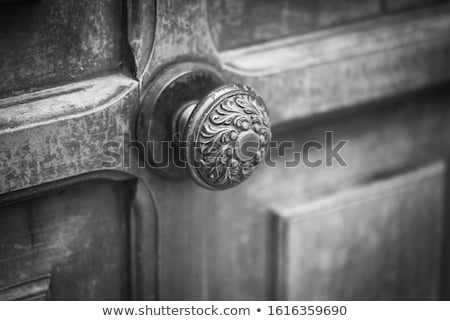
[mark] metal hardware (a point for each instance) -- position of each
(218, 133)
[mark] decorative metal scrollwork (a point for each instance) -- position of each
(227, 134)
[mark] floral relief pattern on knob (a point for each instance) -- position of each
(231, 137)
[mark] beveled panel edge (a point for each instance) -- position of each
(291, 210)
(62, 102)
(60, 133)
(31, 290)
(144, 251)
(346, 42)
(346, 66)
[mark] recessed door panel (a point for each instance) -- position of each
(381, 241)
(78, 237)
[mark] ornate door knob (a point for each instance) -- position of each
(225, 135)
(221, 132)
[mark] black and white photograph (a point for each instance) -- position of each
(219, 151)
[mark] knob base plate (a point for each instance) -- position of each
(175, 87)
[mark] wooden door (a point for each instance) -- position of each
(371, 73)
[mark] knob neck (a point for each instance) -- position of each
(181, 118)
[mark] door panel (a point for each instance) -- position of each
(380, 241)
(79, 237)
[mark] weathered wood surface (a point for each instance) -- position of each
(181, 35)
(380, 241)
(396, 5)
(238, 23)
(141, 18)
(445, 267)
(391, 58)
(64, 139)
(348, 66)
(36, 289)
(48, 43)
(79, 236)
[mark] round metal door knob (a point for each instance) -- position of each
(217, 133)
(225, 135)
